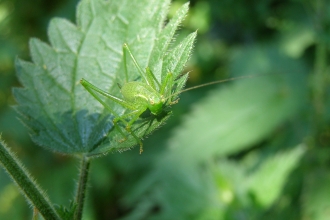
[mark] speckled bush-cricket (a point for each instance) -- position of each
(141, 96)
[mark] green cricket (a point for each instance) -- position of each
(141, 96)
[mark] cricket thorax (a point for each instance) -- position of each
(143, 94)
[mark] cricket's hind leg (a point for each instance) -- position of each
(128, 125)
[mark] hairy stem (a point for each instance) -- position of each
(25, 182)
(81, 189)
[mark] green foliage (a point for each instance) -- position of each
(268, 179)
(66, 213)
(249, 149)
(315, 202)
(63, 117)
(241, 115)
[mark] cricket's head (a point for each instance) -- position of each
(155, 105)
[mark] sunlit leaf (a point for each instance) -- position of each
(61, 115)
(243, 113)
(268, 179)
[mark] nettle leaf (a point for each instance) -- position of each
(315, 194)
(243, 113)
(233, 118)
(267, 181)
(60, 113)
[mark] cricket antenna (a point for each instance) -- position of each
(216, 82)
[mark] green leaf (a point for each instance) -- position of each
(243, 113)
(164, 39)
(267, 181)
(183, 50)
(61, 115)
(67, 213)
(315, 196)
(234, 118)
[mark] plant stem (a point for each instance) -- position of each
(25, 182)
(81, 190)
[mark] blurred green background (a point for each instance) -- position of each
(264, 155)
